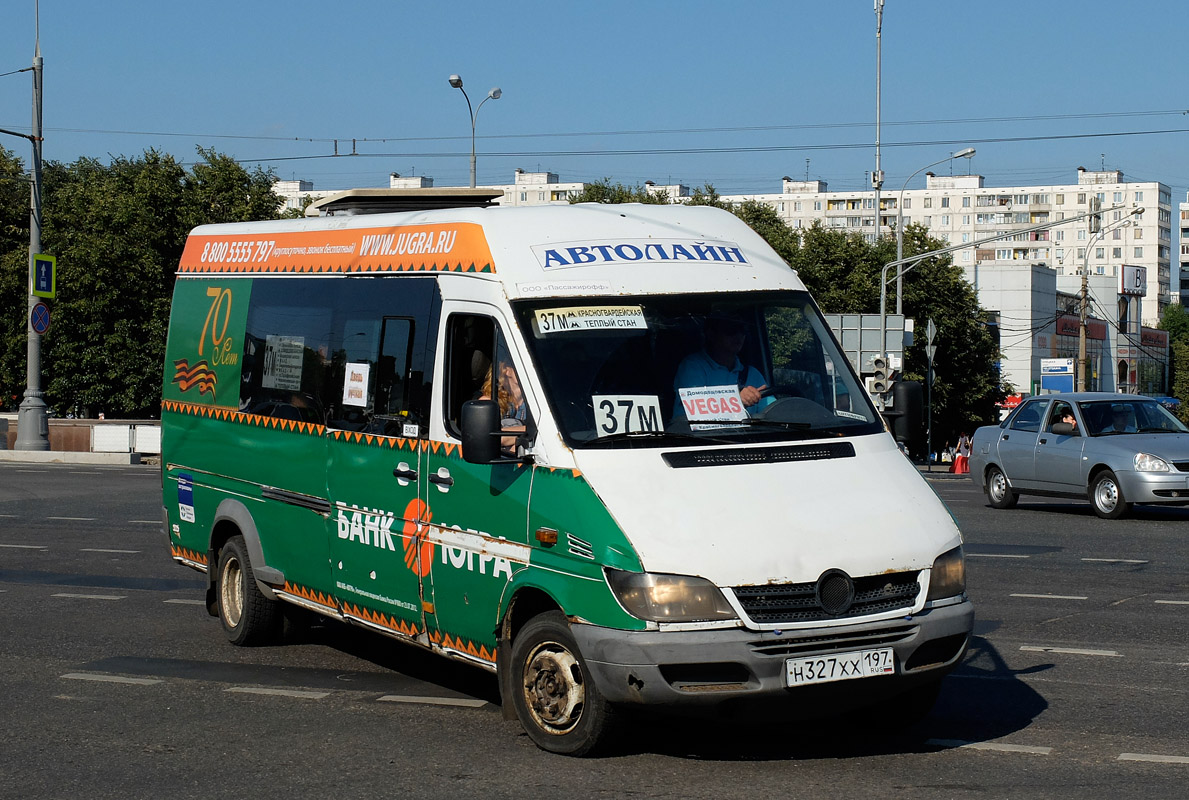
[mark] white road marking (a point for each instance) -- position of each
(144, 521)
(278, 692)
(180, 601)
(31, 470)
(1117, 560)
(73, 519)
(91, 596)
(9, 516)
(104, 550)
(35, 547)
(1051, 596)
(434, 701)
(995, 746)
(1154, 758)
(1167, 602)
(996, 555)
(1071, 651)
(84, 676)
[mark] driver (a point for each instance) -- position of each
(718, 364)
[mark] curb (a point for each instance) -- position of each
(67, 457)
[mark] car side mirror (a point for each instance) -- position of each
(480, 431)
(1064, 429)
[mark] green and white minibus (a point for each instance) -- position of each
(514, 436)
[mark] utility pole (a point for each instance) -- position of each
(32, 419)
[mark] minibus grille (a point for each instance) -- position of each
(774, 604)
(759, 455)
(836, 642)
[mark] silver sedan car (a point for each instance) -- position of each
(1113, 449)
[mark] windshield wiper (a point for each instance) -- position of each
(776, 423)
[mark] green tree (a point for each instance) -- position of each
(118, 230)
(843, 271)
(1179, 351)
(14, 278)
(1175, 320)
(606, 192)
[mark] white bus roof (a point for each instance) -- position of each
(540, 251)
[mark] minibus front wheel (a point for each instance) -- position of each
(248, 616)
(555, 697)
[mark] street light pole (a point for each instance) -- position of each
(494, 94)
(967, 153)
(1084, 300)
(32, 418)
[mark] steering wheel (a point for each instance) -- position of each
(787, 389)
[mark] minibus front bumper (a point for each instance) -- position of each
(708, 667)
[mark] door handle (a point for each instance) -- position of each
(1044, 441)
(441, 480)
(404, 473)
(1004, 437)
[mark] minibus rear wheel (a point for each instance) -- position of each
(556, 699)
(248, 617)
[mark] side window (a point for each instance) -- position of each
(345, 352)
(479, 365)
(1028, 417)
(1060, 410)
(286, 352)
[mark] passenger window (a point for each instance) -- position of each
(1060, 411)
(333, 352)
(1028, 418)
(479, 365)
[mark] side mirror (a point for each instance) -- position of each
(1064, 429)
(480, 431)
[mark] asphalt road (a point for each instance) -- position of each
(114, 682)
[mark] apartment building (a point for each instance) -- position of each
(1184, 241)
(961, 209)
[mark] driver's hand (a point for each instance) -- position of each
(751, 395)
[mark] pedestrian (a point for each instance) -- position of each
(962, 455)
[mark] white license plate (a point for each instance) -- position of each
(839, 667)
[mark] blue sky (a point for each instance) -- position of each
(753, 88)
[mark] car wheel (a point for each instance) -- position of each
(1106, 496)
(999, 491)
(555, 698)
(248, 617)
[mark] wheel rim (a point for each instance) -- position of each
(997, 486)
(1106, 495)
(553, 689)
(231, 592)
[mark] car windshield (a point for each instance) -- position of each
(1114, 417)
(668, 370)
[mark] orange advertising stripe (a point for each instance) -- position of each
(450, 247)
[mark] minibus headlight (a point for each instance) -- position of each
(668, 598)
(948, 577)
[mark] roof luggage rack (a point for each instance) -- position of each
(382, 201)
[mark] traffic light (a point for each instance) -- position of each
(881, 380)
(1095, 215)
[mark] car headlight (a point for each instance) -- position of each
(668, 598)
(948, 577)
(1150, 463)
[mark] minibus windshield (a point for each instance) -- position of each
(667, 370)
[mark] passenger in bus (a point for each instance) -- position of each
(510, 398)
(718, 364)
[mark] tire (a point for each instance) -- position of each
(1106, 496)
(553, 693)
(248, 617)
(999, 491)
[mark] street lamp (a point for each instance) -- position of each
(494, 94)
(967, 153)
(1084, 305)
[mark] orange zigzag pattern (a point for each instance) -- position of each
(462, 645)
(383, 620)
(311, 595)
(349, 269)
(230, 415)
(189, 555)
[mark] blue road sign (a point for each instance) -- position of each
(39, 318)
(45, 278)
